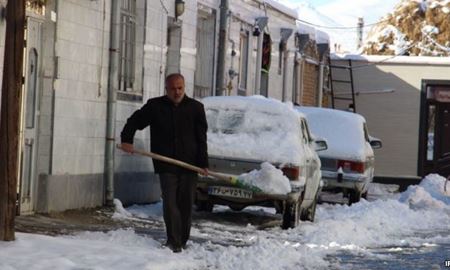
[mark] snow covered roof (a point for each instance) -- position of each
(420, 60)
(342, 130)
(281, 7)
(322, 37)
(246, 127)
(315, 34)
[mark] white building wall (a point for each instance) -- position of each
(80, 87)
(46, 100)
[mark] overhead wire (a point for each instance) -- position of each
(340, 27)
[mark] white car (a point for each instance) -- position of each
(244, 132)
(349, 162)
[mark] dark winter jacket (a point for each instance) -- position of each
(176, 131)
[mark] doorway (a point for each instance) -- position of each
(434, 140)
(30, 113)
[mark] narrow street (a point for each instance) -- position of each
(390, 231)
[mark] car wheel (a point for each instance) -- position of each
(353, 197)
(204, 206)
(291, 215)
(310, 213)
(364, 195)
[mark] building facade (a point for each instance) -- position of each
(89, 64)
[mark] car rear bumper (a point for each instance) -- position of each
(203, 186)
(344, 180)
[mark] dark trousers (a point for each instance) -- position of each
(178, 196)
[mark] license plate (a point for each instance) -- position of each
(230, 192)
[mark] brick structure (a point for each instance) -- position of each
(309, 72)
(310, 77)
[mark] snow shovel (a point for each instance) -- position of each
(232, 179)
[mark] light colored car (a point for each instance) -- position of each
(349, 162)
(244, 132)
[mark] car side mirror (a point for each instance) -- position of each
(375, 143)
(320, 145)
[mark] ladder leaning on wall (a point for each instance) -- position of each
(342, 85)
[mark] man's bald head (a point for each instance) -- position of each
(175, 87)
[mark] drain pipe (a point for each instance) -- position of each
(260, 24)
(113, 86)
(285, 33)
(285, 73)
(220, 74)
(320, 86)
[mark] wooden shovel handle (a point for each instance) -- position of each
(180, 163)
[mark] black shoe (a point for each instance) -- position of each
(175, 249)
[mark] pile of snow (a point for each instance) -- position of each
(429, 194)
(414, 219)
(153, 211)
(255, 128)
(343, 131)
(269, 179)
(120, 212)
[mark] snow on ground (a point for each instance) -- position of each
(419, 217)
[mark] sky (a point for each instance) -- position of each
(346, 12)
(342, 13)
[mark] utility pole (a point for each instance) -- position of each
(359, 33)
(9, 115)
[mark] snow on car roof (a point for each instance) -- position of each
(253, 127)
(342, 130)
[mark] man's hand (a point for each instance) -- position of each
(127, 147)
(204, 172)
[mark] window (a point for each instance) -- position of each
(206, 49)
(131, 48)
(35, 6)
(127, 45)
(243, 65)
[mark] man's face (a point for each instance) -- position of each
(175, 89)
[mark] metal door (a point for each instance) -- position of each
(442, 138)
(30, 117)
(436, 125)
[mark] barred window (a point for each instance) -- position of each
(127, 45)
(243, 63)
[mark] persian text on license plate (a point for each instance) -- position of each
(230, 192)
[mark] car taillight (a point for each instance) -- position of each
(291, 172)
(352, 166)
